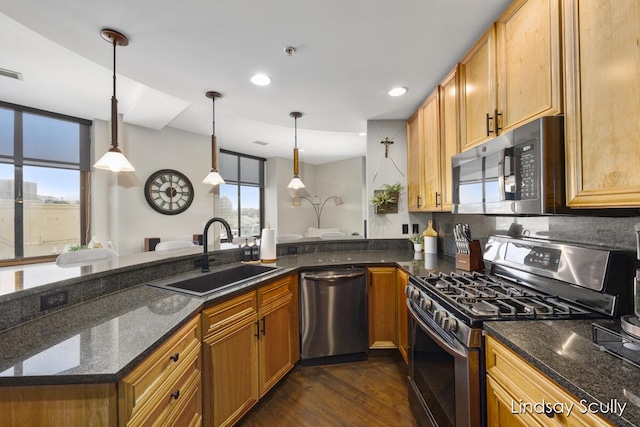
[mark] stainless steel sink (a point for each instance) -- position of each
(201, 284)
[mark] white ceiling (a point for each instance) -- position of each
(349, 53)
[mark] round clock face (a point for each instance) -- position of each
(168, 191)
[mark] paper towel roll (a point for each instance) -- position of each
(268, 245)
(430, 245)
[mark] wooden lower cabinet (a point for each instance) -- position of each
(59, 405)
(167, 383)
(512, 382)
(251, 342)
(403, 315)
(382, 307)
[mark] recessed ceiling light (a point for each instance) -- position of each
(362, 134)
(398, 91)
(261, 80)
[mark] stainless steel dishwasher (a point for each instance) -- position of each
(333, 316)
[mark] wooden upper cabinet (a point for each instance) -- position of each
(449, 134)
(512, 75)
(602, 89)
(529, 62)
(478, 90)
(415, 160)
(431, 131)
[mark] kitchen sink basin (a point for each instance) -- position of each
(201, 284)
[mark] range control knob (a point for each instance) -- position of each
(438, 315)
(449, 324)
(426, 303)
(412, 292)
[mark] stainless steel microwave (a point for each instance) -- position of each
(518, 173)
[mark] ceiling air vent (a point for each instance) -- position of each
(260, 142)
(11, 74)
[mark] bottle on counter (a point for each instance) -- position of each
(246, 251)
(255, 251)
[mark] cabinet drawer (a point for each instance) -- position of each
(141, 384)
(523, 382)
(170, 399)
(221, 316)
(272, 293)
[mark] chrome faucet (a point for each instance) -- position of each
(205, 240)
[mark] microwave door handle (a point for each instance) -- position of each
(501, 174)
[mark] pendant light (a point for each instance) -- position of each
(114, 160)
(214, 178)
(296, 183)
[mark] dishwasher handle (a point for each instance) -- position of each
(333, 277)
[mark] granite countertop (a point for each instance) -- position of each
(102, 339)
(564, 351)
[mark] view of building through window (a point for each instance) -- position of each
(241, 197)
(40, 175)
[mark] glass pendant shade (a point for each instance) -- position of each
(213, 178)
(114, 160)
(296, 183)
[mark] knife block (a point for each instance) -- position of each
(472, 261)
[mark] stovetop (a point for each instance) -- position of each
(483, 297)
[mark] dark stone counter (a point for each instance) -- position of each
(102, 339)
(563, 350)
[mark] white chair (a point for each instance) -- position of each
(174, 244)
(85, 257)
(289, 237)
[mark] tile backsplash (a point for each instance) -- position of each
(610, 232)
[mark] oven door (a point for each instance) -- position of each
(445, 377)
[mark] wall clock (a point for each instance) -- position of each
(168, 191)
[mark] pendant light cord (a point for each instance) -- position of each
(114, 103)
(295, 125)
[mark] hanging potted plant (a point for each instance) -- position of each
(385, 200)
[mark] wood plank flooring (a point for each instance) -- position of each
(367, 393)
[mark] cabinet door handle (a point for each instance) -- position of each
(175, 395)
(496, 124)
(437, 195)
(264, 325)
(175, 357)
(258, 329)
(489, 118)
(418, 197)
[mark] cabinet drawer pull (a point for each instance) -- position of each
(175, 395)
(264, 325)
(175, 357)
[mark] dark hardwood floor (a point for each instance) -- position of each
(367, 393)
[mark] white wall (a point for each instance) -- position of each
(343, 178)
(120, 213)
(388, 225)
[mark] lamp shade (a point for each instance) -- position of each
(114, 161)
(296, 183)
(213, 178)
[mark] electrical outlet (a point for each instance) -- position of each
(405, 228)
(415, 228)
(53, 299)
(292, 250)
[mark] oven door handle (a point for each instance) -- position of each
(459, 352)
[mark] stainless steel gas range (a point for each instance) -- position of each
(528, 279)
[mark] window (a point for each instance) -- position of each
(241, 198)
(44, 161)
